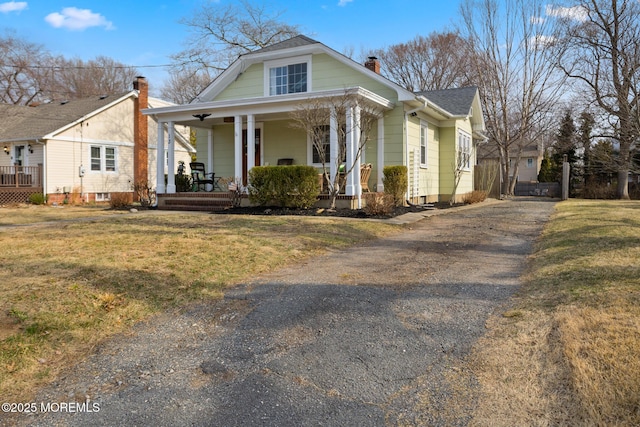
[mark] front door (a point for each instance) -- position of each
(244, 152)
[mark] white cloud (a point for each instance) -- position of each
(76, 19)
(577, 13)
(343, 3)
(13, 6)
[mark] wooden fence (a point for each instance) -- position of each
(18, 183)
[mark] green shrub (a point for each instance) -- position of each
(37, 199)
(395, 182)
(285, 186)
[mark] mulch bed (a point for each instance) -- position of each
(320, 212)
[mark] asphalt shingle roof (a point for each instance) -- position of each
(21, 122)
(456, 101)
(296, 41)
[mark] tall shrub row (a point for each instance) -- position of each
(284, 186)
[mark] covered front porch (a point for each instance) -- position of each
(18, 183)
(234, 136)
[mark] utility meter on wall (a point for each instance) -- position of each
(81, 171)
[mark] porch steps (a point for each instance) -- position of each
(206, 202)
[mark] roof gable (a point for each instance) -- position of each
(458, 102)
(296, 46)
(34, 122)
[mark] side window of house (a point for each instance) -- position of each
(464, 149)
(529, 163)
(423, 144)
(96, 159)
(103, 159)
(110, 159)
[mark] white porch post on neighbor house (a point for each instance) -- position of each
(350, 189)
(160, 189)
(210, 150)
(171, 177)
(333, 144)
(357, 153)
(380, 151)
(251, 142)
(237, 123)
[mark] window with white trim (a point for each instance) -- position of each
(287, 76)
(423, 143)
(529, 162)
(464, 149)
(103, 197)
(103, 159)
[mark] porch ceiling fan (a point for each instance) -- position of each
(201, 116)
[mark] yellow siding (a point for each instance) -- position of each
(249, 85)
(329, 73)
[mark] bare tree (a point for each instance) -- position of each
(602, 53)
(218, 35)
(438, 61)
(75, 78)
(314, 117)
(185, 83)
(22, 69)
(513, 67)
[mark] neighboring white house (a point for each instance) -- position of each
(93, 147)
(250, 103)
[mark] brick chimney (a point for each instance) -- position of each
(140, 132)
(373, 64)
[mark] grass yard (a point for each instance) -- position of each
(66, 287)
(568, 351)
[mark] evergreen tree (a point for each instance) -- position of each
(547, 169)
(584, 141)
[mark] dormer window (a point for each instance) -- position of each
(290, 76)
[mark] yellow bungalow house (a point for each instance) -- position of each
(250, 105)
(86, 148)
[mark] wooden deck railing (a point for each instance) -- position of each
(20, 176)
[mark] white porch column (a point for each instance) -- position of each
(251, 143)
(210, 150)
(160, 187)
(380, 151)
(350, 189)
(333, 145)
(358, 153)
(171, 176)
(237, 122)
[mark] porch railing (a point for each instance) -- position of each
(21, 176)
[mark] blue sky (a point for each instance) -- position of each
(145, 32)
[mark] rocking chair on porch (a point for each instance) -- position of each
(201, 179)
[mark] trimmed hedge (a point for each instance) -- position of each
(285, 186)
(395, 182)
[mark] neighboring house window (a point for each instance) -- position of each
(423, 144)
(529, 163)
(103, 197)
(464, 149)
(290, 76)
(103, 158)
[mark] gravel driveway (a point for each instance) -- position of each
(372, 335)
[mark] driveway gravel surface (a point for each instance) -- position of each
(372, 335)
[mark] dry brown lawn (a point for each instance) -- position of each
(568, 351)
(68, 285)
